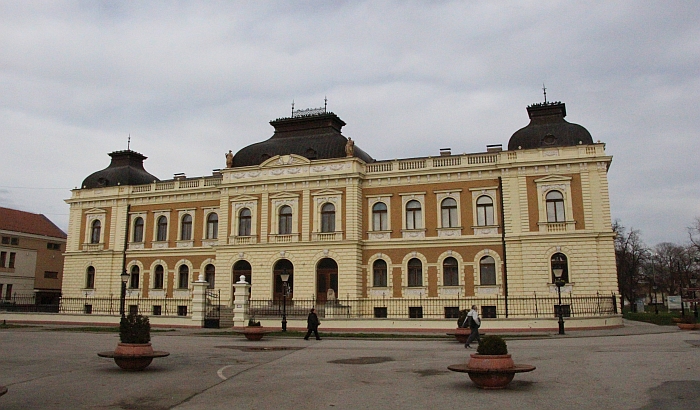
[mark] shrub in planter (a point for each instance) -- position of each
(252, 322)
(689, 320)
(492, 345)
(135, 329)
(462, 317)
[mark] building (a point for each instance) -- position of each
(310, 204)
(31, 256)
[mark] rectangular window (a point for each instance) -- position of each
(488, 312)
(157, 309)
(14, 241)
(50, 275)
(158, 281)
(182, 310)
(380, 312)
(88, 309)
(134, 281)
(53, 246)
(8, 292)
(415, 312)
(5, 240)
(451, 312)
(133, 309)
(3, 259)
(11, 262)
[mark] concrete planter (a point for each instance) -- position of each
(133, 356)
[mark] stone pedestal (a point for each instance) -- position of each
(199, 300)
(241, 302)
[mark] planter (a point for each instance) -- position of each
(462, 334)
(133, 356)
(492, 362)
(491, 372)
(254, 333)
(688, 326)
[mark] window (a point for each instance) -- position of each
(53, 246)
(484, 211)
(415, 273)
(157, 310)
(379, 217)
(488, 312)
(451, 312)
(158, 278)
(138, 230)
(11, 262)
(14, 241)
(184, 277)
(8, 291)
(182, 310)
(186, 228)
(414, 217)
(415, 312)
(209, 275)
(379, 273)
(487, 271)
(5, 240)
(242, 268)
(90, 278)
(380, 312)
(559, 261)
(555, 206)
(244, 220)
(3, 258)
(50, 275)
(212, 226)
(134, 278)
(95, 232)
(450, 272)
(449, 213)
(162, 234)
(328, 218)
(285, 222)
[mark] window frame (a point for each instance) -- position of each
(159, 277)
(382, 214)
(186, 227)
(139, 224)
(327, 218)
(90, 277)
(245, 222)
(161, 234)
(414, 273)
(212, 228)
(380, 274)
(95, 232)
(183, 277)
(449, 211)
(135, 277)
(414, 215)
(482, 273)
(484, 211)
(285, 221)
(563, 262)
(555, 208)
(450, 271)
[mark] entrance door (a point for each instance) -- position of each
(283, 266)
(326, 278)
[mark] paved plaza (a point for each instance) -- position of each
(640, 366)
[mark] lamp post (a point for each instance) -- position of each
(559, 282)
(656, 306)
(122, 300)
(285, 286)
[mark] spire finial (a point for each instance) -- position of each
(544, 90)
(128, 143)
(292, 108)
(325, 103)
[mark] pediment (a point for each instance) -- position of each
(285, 160)
(284, 195)
(243, 198)
(327, 192)
(96, 211)
(552, 179)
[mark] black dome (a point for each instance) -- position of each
(548, 128)
(126, 168)
(313, 136)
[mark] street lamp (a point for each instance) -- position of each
(559, 282)
(285, 289)
(122, 300)
(656, 306)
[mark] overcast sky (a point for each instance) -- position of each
(191, 80)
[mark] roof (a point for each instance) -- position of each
(314, 137)
(126, 168)
(548, 128)
(27, 222)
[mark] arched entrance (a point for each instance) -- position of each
(283, 266)
(242, 268)
(326, 278)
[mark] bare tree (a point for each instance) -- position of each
(694, 233)
(630, 256)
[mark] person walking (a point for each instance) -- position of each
(474, 323)
(312, 323)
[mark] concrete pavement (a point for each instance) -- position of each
(639, 366)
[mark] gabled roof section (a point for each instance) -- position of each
(26, 222)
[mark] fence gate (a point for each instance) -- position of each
(212, 314)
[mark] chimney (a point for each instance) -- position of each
(494, 148)
(445, 152)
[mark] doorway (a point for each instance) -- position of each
(326, 279)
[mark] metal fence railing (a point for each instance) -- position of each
(101, 305)
(434, 308)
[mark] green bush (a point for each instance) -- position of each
(252, 322)
(492, 345)
(135, 329)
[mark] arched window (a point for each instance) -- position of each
(242, 268)
(186, 228)
(484, 211)
(414, 217)
(212, 226)
(162, 234)
(328, 218)
(138, 229)
(134, 277)
(379, 273)
(183, 277)
(95, 232)
(415, 273)
(158, 277)
(210, 275)
(559, 261)
(379, 221)
(450, 272)
(449, 213)
(555, 206)
(285, 222)
(244, 222)
(487, 271)
(90, 278)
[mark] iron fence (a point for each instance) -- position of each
(434, 308)
(101, 305)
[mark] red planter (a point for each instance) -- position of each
(491, 362)
(494, 367)
(462, 334)
(688, 326)
(254, 332)
(132, 356)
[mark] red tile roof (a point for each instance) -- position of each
(26, 222)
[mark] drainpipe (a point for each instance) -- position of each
(503, 243)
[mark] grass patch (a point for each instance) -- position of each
(662, 318)
(98, 329)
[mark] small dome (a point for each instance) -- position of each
(126, 168)
(548, 128)
(314, 137)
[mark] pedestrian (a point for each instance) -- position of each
(312, 323)
(474, 322)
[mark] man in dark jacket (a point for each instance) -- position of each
(312, 323)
